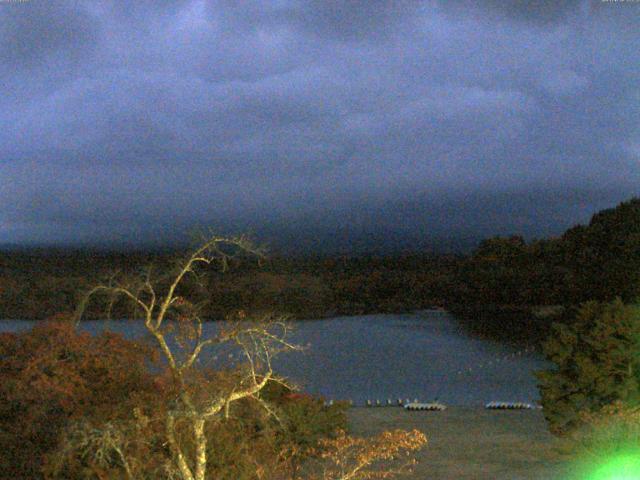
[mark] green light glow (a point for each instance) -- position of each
(622, 466)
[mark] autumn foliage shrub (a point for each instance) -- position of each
(308, 420)
(235, 447)
(305, 418)
(348, 458)
(73, 405)
(53, 374)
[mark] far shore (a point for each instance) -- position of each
(323, 316)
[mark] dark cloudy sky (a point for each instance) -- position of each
(314, 124)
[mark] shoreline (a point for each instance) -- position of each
(510, 336)
(327, 316)
(472, 443)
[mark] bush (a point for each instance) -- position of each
(52, 375)
(597, 362)
(605, 445)
(612, 429)
(69, 401)
(303, 421)
(308, 420)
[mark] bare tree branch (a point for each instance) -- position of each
(258, 343)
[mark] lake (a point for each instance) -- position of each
(423, 355)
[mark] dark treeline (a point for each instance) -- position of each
(36, 284)
(506, 287)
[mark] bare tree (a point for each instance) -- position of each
(177, 328)
(196, 401)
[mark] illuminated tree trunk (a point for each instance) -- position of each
(201, 449)
(183, 466)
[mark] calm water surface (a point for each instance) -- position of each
(422, 355)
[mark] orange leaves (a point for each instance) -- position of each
(383, 456)
(297, 396)
(52, 374)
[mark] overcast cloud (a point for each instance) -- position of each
(314, 124)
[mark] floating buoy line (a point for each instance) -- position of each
(511, 356)
(438, 406)
(483, 365)
(435, 405)
(510, 406)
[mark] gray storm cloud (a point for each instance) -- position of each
(401, 121)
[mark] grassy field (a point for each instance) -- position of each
(472, 443)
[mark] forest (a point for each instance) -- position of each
(506, 287)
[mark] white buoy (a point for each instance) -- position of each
(433, 406)
(508, 406)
